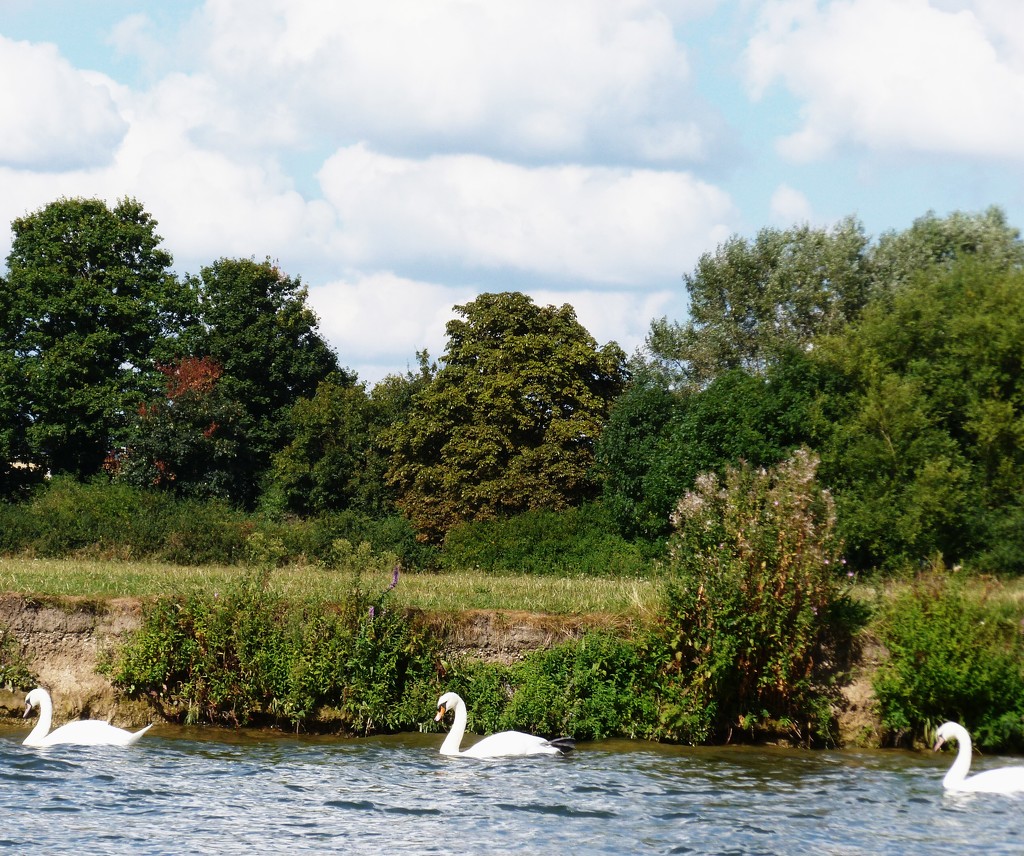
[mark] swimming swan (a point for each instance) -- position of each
(497, 745)
(83, 732)
(1002, 780)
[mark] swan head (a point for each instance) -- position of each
(947, 731)
(447, 702)
(33, 699)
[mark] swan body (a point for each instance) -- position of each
(83, 732)
(501, 745)
(1002, 780)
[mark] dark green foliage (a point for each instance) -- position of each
(759, 419)
(85, 310)
(753, 601)
(630, 445)
(193, 442)
(575, 542)
(951, 657)
(101, 519)
(597, 687)
(592, 688)
(509, 422)
(255, 324)
(326, 465)
(244, 656)
(929, 454)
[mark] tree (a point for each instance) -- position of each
(255, 324)
(192, 442)
(87, 306)
(657, 441)
(932, 241)
(510, 420)
(324, 466)
(751, 301)
(929, 456)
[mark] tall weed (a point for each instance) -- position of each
(754, 601)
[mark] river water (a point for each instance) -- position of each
(197, 791)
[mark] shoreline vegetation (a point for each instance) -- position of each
(812, 485)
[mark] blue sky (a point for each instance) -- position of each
(401, 157)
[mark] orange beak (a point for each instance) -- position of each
(441, 711)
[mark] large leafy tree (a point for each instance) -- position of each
(87, 307)
(510, 420)
(256, 325)
(752, 301)
(930, 456)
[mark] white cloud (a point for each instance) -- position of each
(531, 77)
(53, 116)
(934, 77)
(384, 319)
(790, 207)
(597, 224)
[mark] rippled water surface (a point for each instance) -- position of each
(192, 791)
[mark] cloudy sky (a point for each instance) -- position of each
(402, 156)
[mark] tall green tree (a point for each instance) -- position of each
(510, 420)
(929, 457)
(751, 301)
(87, 306)
(940, 241)
(254, 322)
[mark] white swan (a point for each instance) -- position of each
(1002, 780)
(498, 745)
(83, 732)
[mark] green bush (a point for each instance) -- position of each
(246, 656)
(592, 688)
(574, 542)
(754, 602)
(952, 657)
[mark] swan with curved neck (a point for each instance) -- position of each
(1002, 780)
(83, 732)
(499, 745)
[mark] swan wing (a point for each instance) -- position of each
(507, 743)
(1002, 780)
(92, 732)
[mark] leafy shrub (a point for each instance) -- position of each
(574, 542)
(592, 688)
(14, 671)
(952, 656)
(753, 601)
(248, 656)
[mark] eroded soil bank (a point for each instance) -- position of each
(63, 641)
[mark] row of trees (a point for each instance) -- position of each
(898, 362)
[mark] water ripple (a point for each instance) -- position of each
(179, 790)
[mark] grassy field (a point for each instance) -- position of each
(452, 592)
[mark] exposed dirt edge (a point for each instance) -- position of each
(63, 641)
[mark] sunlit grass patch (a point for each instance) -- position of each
(444, 592)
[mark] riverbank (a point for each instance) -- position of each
(64, 641)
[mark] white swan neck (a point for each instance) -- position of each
(962, 765)
(454, 739)
(42, 728)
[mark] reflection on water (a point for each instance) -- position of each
(208, 791)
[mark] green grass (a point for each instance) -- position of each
(442, 592)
